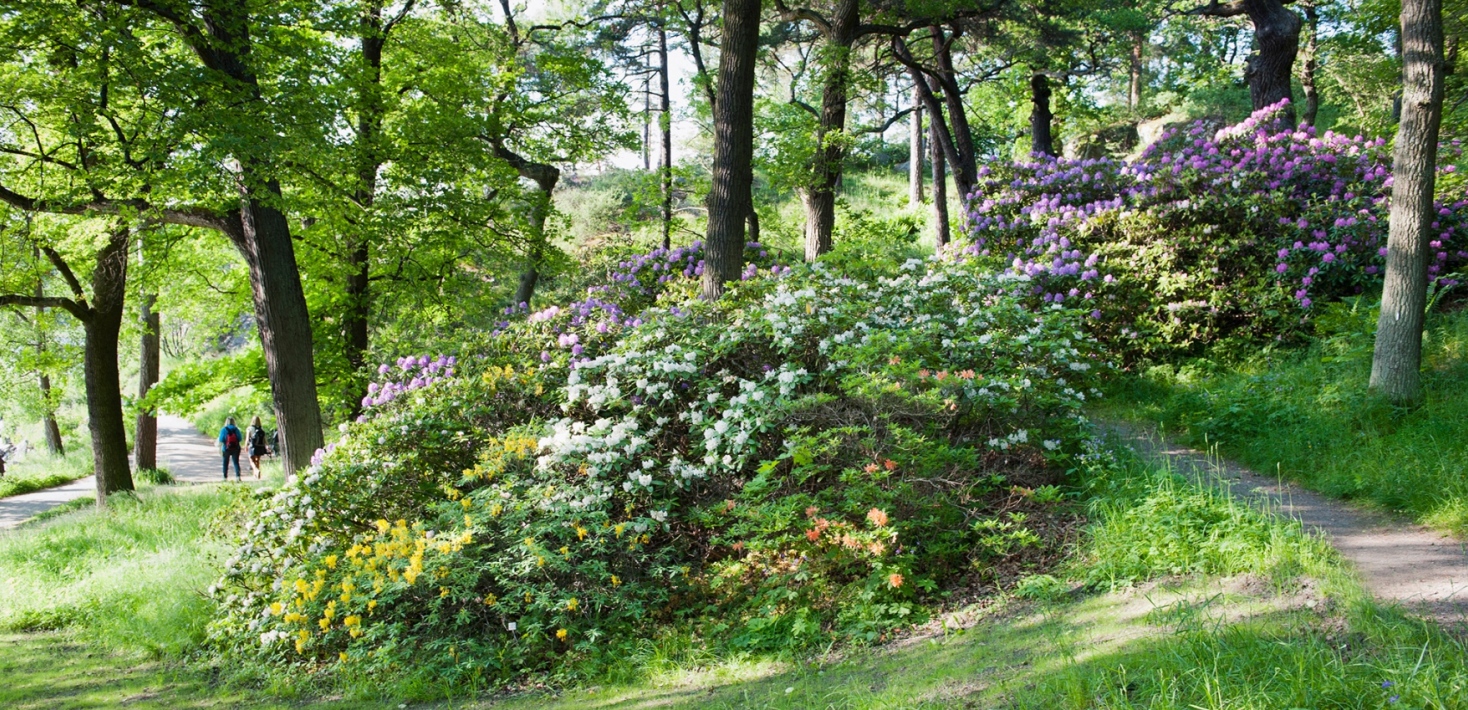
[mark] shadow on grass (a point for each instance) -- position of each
(1234, 645)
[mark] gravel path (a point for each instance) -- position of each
(189, 456)
(1399, 562)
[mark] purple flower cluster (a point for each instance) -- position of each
(1321, 201)
(411, 373)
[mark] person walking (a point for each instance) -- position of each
(229, 444)
(255, 440)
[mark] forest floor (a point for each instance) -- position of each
(1423, 570)
(182, 451)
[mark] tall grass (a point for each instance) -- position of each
(130, 577)
(1307, 415)
(40, 470)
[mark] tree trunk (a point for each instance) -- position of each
(1134, 74)
(939, 89)
(1396, 364)
(52, 430)
(915, 151)
(103, 326)
(284, 322)
(54, 445)
(370, 112)
(729, 200)
(646, 126)
(940, 193)
(665, 124)
(1307, 79)
(1041, 142)
(820, 196)
(1270, 68)
(145, 438)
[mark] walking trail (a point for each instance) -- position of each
(1401, 563)
(189, 456)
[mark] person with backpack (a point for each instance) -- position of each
(229, 444)
(255, 440)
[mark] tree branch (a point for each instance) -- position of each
(66, 304)
(66, 273)
(1216, 9)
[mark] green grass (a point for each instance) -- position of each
(1306, 414)
(1287, 628)
(129, 578)
(40, 471)
(103, 608)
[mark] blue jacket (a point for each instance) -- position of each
(239, 438)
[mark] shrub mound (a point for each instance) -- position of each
(1208, 235)
(808, 460)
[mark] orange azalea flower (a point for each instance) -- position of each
(870, 468)
(895, 360)
(738, 546)
(890, 464)
(811, 511)
(895, 580)
(813, 534)
(967, 374)
(877, 516)
(942, 375)
(923, 373)
(877, 548)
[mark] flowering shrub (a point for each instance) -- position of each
(1208, 234)
(805, 460)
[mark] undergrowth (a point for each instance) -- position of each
(39, 471)
(1307, 415)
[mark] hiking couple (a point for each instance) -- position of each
(231, 441)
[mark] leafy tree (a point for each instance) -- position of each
(729, 198)
(1398, 357)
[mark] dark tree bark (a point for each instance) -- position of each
(729, 200)
(665, 125)
(1134, 71)
(1277, 40)
(840, 33)
(221, 39)
(1041, 141)
(103, 327)
(915, 151)
(1307, 79)
(939, 89)
(145, 436)
(545, 177)
(54, 445)
(49, 426)
(940, 192)
(1397, 361)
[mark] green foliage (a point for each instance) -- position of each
(797, 464)
(128, 576)
(1308, 415)
(40, 471)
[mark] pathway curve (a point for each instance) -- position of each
(189, 456)
(1412, 565)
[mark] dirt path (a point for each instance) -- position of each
(1399, 562)
(190, 457)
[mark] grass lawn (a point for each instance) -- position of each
(106, 609)
(40, 471)
(1307, 415)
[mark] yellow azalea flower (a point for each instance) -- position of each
(342, 656)
(496, 510)
(615, 581)
(382, 526)
(580, 533)
(443, 592)
(302, 587)
(621, 528)
(275, 609)
(565, 550)
(490, 599)
(561, 634)
(467, 503)
(572, 604)
(539, 561)
(331, 561)
(371, 604)
(325, 623)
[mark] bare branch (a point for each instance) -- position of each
(66, 304)
(66, 273)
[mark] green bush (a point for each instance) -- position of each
(802, 462)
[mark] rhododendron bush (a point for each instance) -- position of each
(1209, 235)
(809, 459)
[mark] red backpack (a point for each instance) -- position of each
(231, 439)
